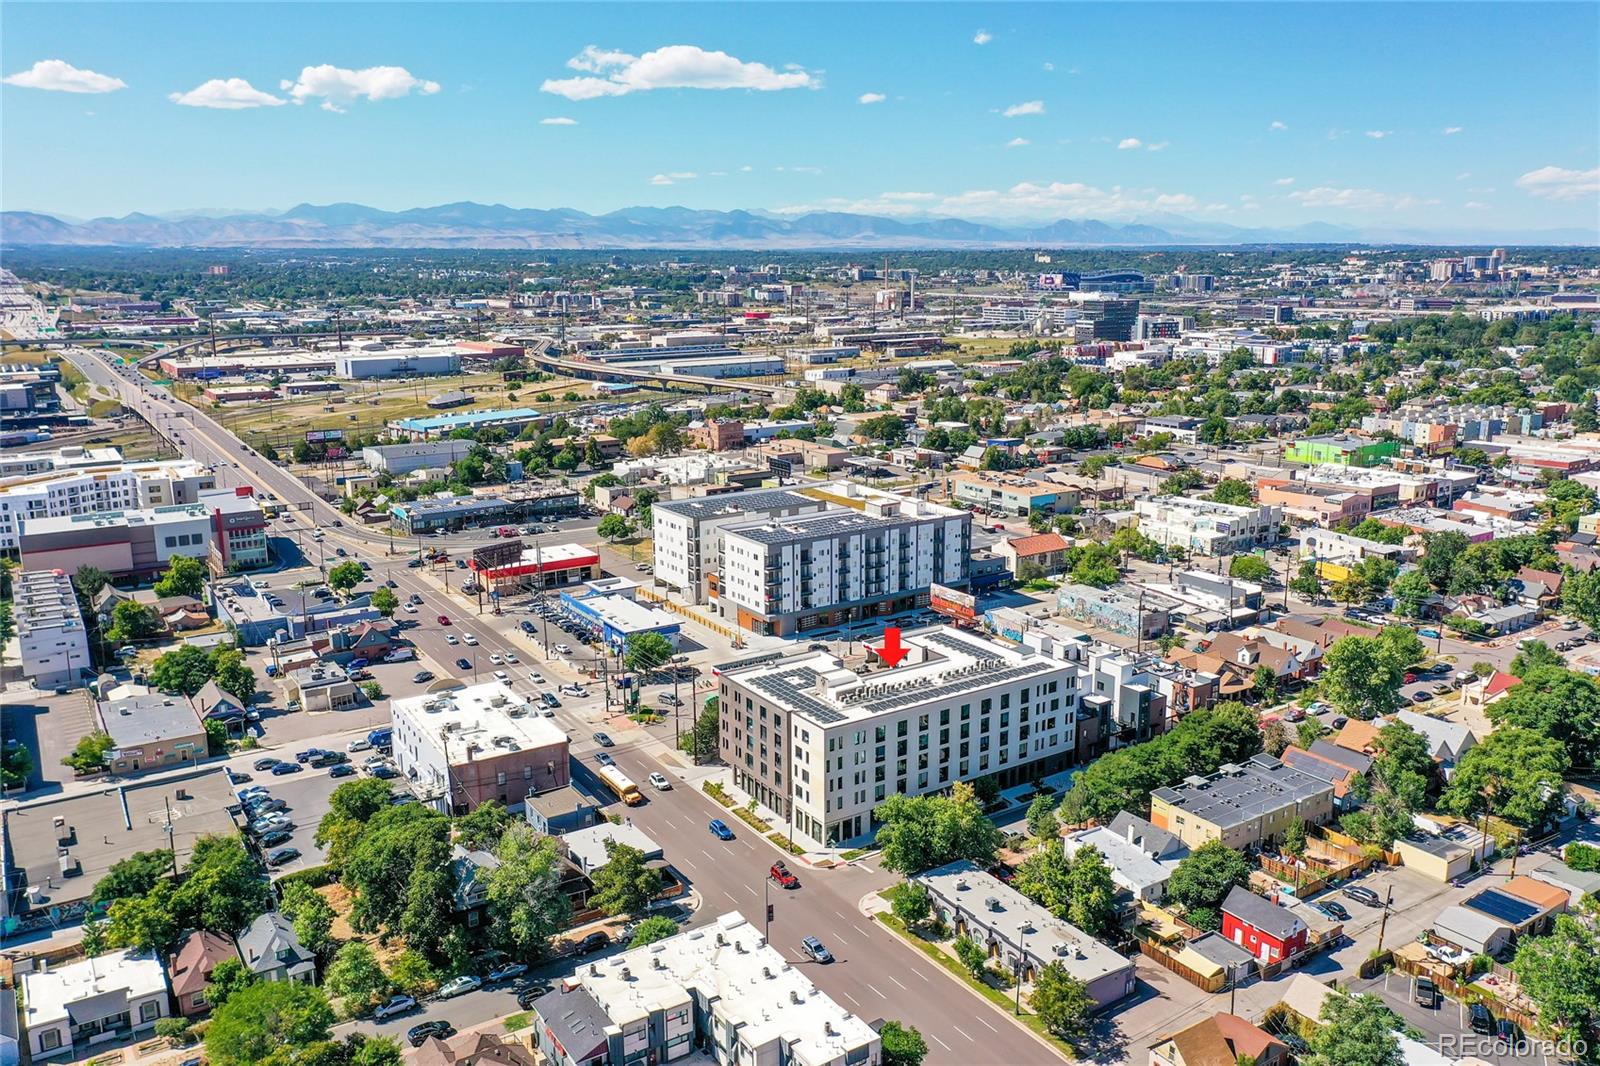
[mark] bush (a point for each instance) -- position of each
(1585, 857)
(175, 1029)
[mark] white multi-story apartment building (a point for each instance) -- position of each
(116, 486)
(822, 745)
(1205, 526)
(784, 576)
(687, 533)
(23, 464)
(51, 637)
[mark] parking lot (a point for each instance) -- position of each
(1445, 1027)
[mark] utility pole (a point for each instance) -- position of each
(1383, 923)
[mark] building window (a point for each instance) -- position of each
(149, 1011)
(49, 1039)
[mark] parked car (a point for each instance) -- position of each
(282, 856)
(594, 942)
(1365, 895)
(420, 1033)
(422, 677)
(286, 768)
(670, 700)
(264, 764)
(783, 876)
(814, 950)
(659, 782)
(563, 649)
(307, 755)
(459, 986)
(237, 777)
(507, 971)
(720, 830)
(343, 769)
(1426, 993)
(275, 838)
(527, 995)
(1335, 909)
(396, 1005)
(1480, 1019)
(359, 744)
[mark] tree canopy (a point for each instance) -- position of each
(921, 832)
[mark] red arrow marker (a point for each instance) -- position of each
(892, 651)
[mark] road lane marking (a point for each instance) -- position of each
(875, 992)
(935, 1038)
(842, 918)
(898, 985)
(964, 1036)
(985, 1024)
(851, 998)
(919, 973)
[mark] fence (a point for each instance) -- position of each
(1471, 993)
(1162, 957)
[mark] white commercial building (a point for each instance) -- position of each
(826, 745)
(76, 457)
(396, 362)
(114, 486)
(876, 556)
(108, 998)
(1205, 526)
(482, 743)
(738, 365)
(52, 641)
(750, 1004)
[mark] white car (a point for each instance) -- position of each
(537, 678)
(258, 584)
(511, 658)
(659, 782)
(450, 638)
(573, 690)
(396, 1005)
(495, 660)
(411, 608)
(563, 649)
(469, 640)
(500, 676)
(360, 744)
(459, 986)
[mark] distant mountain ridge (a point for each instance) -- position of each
(473, 225)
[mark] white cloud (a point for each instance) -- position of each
(226, 94)
(1464, 175)
(675, 66)
(660, 179)
(1156, 147)
(1559, 183)
(1357, 199)
(1335, 134)
(57, 75)
(1475, 205)
(1025, 201)
(338, 87)
(982, 37)
(1030, 107)
(1450, 131)
(674, 177)
(871, 98)
(1018, 142)
(1284, 181)
(911, 197)
(558, 120)
(1276, 125)
(1379, 135)
(1049, 66)
(1128, 143)
(747, 168)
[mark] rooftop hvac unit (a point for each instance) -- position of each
(70, 866)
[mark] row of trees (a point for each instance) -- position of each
(149, 908)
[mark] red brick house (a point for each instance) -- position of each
(191, 970)
(1269, 932)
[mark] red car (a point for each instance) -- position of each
(780, 873)
(444, 619)
(1411, 678)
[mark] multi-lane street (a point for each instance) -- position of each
(876, 975)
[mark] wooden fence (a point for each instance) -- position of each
(1162, 957)
(1471, 993)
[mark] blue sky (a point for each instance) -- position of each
(1420, 115)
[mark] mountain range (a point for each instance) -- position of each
(473, 225)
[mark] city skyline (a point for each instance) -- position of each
(1010, 114)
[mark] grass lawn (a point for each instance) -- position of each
(1006, 1001)
(520, 1020)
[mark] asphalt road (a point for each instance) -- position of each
(876, 976)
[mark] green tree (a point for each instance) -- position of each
(1356, 1031)
(222, 887)
(1250, 568)
(1534, 655)
(1093, 906)
(1580, 597)
(1411, 593)
(378, 870)
(1274, 738)
(1264, 683)
(133, 621)
(231, 674)
(1560, 972)
(1404, 766)
(131, 877)
(312, 916)
(526, 904)
(1062, 1002)
(90, 754)
(356, 977)
(656, 927)
(920, 832)
(1359, 679)
(413, 974)
(16, 763)
(385, 602)
(1233, 491)
(972, 956)
(912, 903)
(625, 884)
(227, 978)
(483, 827)
(182, 671)
(1206, 875)
(1046, 877)
(147, 923)
(1559, 703)
(346, 576)
(184, 577)
(1042, 821)
(1440, 551)
(267, 1022)
(1294, 838)
(613, 527)
(93, 936)
(88, 580)
(647, 651)
(1516, 773)
(703, 739)
(1401, 647)
(903, 1045)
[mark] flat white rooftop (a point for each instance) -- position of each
(479, 718)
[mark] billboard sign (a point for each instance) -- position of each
(953, 603)
(315, 436)
(499, 554)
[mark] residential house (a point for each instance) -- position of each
(1220, 1040)
(470, 869)
(1576, 883)
(1441, 858)
(68, 1009)
(1447, 741)
(1046, 551)
(1243, 806)
(1141, 857)
(1340, 767)
(364, 640)
(272, 952)
(190, 970)
(1539, 589)
(213, 703)
(1480, 692)
(1472, 930)
(476, 1049)
(1546, 898)
(1269, 932)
